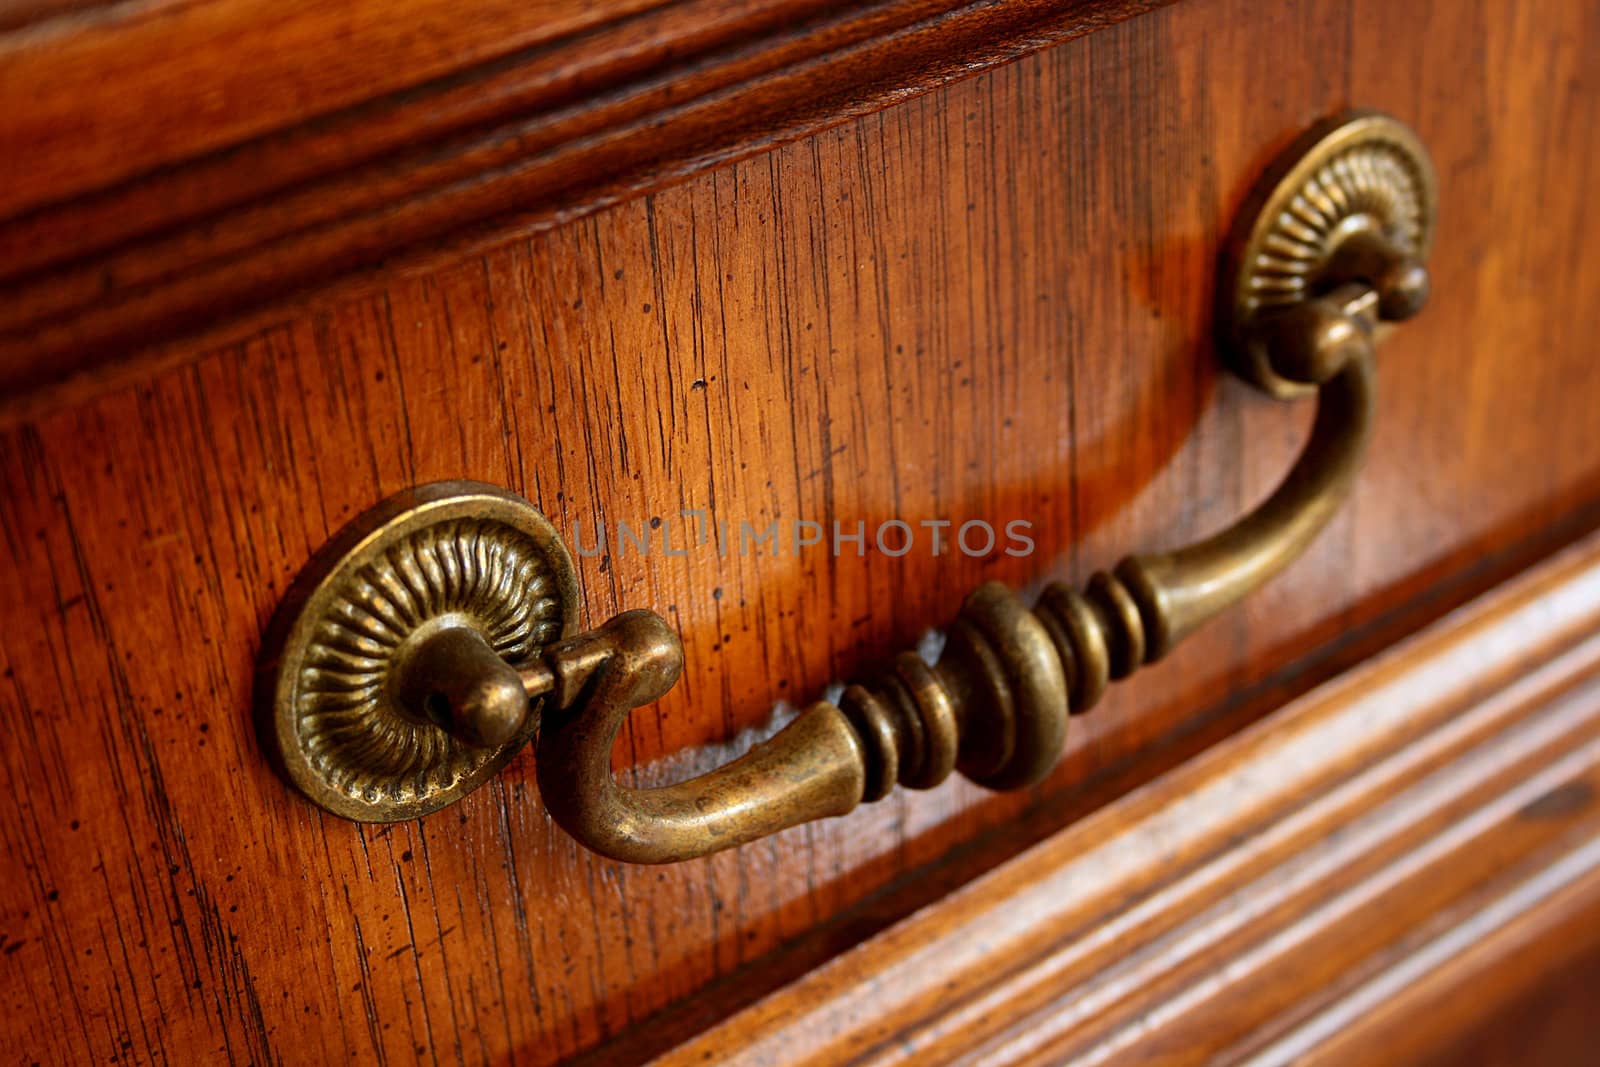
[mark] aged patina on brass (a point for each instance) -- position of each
(418, 651)
(357, 708)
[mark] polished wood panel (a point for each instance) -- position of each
(123, 89)
(1356, 879)
(1551, 1022)
(990, 301)
(166, 178)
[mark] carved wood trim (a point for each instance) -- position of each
(1322, 886)
(155, 192)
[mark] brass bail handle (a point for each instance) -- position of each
(433, 638)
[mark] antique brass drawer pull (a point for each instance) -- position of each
(421, 648)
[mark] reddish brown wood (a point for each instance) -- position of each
(488, 129)
(988, 301)
(123, 89)
(1355, 879)
(1551, 1021)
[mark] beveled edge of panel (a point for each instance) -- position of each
(1327, 882)
(229, 225)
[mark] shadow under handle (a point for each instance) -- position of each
(417, 652)
(995, 705)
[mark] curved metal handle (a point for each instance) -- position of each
(1330, 255)
(995, 705)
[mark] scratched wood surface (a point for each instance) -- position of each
(187, 169)
(988, 302)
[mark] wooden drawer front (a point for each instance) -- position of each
(990, 301)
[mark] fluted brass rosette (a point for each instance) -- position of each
(405, 666)
(344, 709)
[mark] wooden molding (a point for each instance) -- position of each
(178, 166)
(1319, 888)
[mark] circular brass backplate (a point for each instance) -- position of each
(450, 553)
(1358, 171)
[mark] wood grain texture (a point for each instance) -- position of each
(990, 301)
(124, 89)
(178, 166)
(1355, 879)
(1550, 1022)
